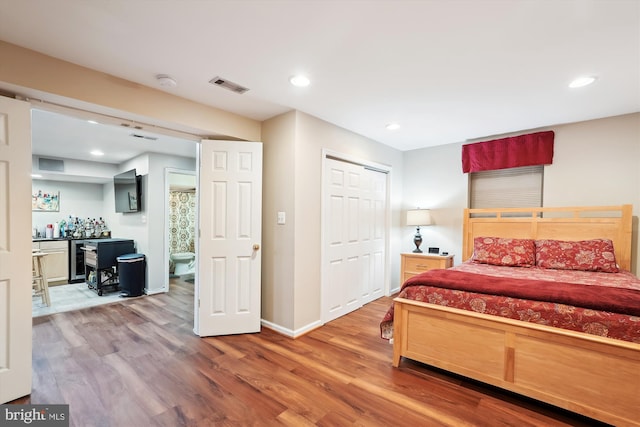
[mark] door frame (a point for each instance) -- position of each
(379, 167)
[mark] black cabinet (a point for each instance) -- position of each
(100, 262)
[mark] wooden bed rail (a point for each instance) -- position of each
(593, 376)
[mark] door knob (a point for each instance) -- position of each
(256, 247)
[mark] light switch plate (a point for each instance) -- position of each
(281, 218)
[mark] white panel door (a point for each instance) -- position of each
(373, 234)
(229, 256)
(353, 270)
(15, 249)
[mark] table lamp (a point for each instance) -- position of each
(419, 218)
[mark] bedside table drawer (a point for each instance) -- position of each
(418, 265)
(412, 264)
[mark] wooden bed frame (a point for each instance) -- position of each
(587, 374)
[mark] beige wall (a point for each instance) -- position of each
(278, 240)
(28, 72)
(292, 166)
(596, 163)
(53, 78)
(310, 136)
(314, 135)
(433, 179)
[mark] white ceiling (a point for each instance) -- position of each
(63, 136)
(445, 70)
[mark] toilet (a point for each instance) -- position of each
(185, 263)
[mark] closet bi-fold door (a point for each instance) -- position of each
(354, 237)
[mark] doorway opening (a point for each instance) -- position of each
(181, 201)
(86, 187)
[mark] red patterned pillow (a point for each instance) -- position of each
(585, 255)
(504, 251)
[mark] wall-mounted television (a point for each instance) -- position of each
(127, 190)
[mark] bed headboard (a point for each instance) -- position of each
(568, 223)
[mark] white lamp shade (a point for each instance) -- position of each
(419, 217)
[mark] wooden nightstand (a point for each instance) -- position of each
(412, 264)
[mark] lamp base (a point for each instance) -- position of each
(417, 240)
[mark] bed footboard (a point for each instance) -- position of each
(594, 376)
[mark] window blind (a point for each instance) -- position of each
(506, 188)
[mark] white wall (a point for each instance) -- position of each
(129, 225)
(156, 211)
(76, 199)
(180, 182)
(595, 163)
(146, 227)
(77, 171)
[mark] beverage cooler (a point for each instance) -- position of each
(76, 261)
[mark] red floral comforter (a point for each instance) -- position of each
(604, 304)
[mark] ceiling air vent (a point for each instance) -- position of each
(233, 87)
(150, 138)
(128, 125)
(53, 165)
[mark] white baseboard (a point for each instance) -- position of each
(289, 332)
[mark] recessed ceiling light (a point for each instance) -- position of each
(299, 81)
(582, 81)
(392, 126)
(35, 175)
(97, 153)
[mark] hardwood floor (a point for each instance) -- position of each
(138, 363)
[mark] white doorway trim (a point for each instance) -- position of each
(167, 173)
(328, 154)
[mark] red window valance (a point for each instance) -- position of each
(516, 151)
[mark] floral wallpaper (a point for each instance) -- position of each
(182, 221)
